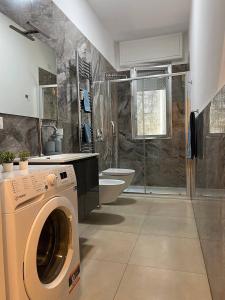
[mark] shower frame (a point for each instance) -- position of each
(188, 164)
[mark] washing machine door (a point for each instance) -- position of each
(51, 252)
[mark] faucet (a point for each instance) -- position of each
(51, 126)
(58, 136)
(113, 128)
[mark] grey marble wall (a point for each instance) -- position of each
(65, 38)
(19, 134)
(209, 196)
(158, 162)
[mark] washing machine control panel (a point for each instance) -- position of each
(52, 179)
(22, 188)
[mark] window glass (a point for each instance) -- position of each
(151, 106)
(217, 114)
(151, 112)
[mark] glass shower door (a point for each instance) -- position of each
(150, 132)
(130, 151)
(165, 146)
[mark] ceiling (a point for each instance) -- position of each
(135, 19)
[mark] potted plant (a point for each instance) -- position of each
(6, 159)
(23, 163)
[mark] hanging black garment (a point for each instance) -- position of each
(193, 135)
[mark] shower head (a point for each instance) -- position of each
(29, 33)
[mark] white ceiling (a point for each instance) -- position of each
(134, 19)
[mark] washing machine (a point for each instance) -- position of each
(40, 232)
(2, 268)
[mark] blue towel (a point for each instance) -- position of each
(87, 133)
(87, 105)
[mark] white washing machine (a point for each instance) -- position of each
(40, 231)
(2, 268)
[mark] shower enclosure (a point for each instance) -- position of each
(150, 122)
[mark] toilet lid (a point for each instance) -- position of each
(115, 171)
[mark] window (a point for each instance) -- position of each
(151, 105)
(217, 114)
(151, 113)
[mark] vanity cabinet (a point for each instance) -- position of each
(87, 174)
(87, 185)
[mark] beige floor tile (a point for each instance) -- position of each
(129, 205)
(212, 229)
(116, 221)
(100, 280)
(171, 226)
(144, 283)
(171, 208)
(209, 209)
(109, 238)
(82, 227)
(179, 254)
(107, 245)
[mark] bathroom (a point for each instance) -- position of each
(77, 79)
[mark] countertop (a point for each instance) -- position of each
(16, 172)
(61, 158)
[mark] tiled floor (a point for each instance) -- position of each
(142, 248)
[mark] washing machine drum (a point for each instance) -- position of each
(50, 255)
(52, 246)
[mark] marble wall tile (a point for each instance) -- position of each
(19, 134)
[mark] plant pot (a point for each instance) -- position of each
(23, 165)
(7, 167)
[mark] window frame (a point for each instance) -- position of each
(166, 69)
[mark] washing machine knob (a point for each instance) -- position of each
(51, 179)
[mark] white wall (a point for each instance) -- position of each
(20, 59)
(82, 15)
(154, 49)
(207, 50)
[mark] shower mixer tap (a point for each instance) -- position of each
(113, 128)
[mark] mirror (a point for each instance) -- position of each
(28, 74)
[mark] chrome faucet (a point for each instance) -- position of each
(113, 128)
(58, 133)
(51, 126)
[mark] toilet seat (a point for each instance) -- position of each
(116, 171)
(110, 182)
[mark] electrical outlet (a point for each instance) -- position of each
(1, 122)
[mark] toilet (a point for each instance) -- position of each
(126, 175)
(110, 189)
(112, 182)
